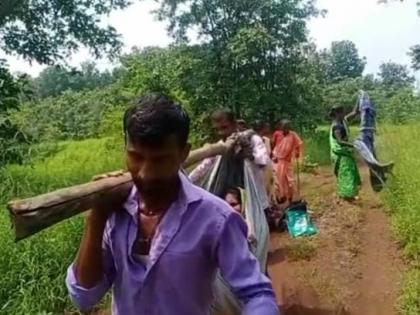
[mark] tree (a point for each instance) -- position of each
(414, 53)
(253, 51)
(47, 31)
(395, 76)
(11, 91)
(342, 60)
(403, 107)
(345, 92)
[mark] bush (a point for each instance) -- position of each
(73, 115)
(402, 108)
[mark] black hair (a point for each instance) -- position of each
(334, 110)
(223, 113)
(259, 125)
(154, 118)
(234, 191)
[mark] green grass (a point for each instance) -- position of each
(401, 144)
(409, 303)
(317, 148)
(33, 271)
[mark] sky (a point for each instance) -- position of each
(382, 32)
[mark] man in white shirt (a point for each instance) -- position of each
(224, 122)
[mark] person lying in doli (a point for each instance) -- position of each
(242, 167)
(236, 198)
(365, 144)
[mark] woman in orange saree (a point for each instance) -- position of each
(288, 146)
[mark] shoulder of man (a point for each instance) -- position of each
(256, 138)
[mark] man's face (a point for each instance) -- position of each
(242, 126)
(265, 130)
(224, 127)
(155, 167)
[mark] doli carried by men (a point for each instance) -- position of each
(244, 168)
(162, 244)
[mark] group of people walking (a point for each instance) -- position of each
(161, 248)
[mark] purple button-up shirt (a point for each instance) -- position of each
(199, 235)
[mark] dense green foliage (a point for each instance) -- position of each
(12, 141)
(254, 61)
(55, 80)
(47, 32)
(77, 115)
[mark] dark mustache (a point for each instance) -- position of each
(151, 185)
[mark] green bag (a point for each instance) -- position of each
(299, 222)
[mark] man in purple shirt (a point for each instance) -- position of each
(160, 248)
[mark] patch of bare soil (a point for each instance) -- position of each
(351, 267)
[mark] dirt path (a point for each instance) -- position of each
(350, 268)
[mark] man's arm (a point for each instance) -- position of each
(93, 272)
(259, 151)
(242, 271)
(202, 169)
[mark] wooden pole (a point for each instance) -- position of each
(32, 215)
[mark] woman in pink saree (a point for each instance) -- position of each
(287, 146)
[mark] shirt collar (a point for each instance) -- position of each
(188, 194)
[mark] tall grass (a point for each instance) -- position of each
(317, 148)
(33, 271)
(400, 144)
(403, 199)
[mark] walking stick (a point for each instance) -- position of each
(298, 176)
